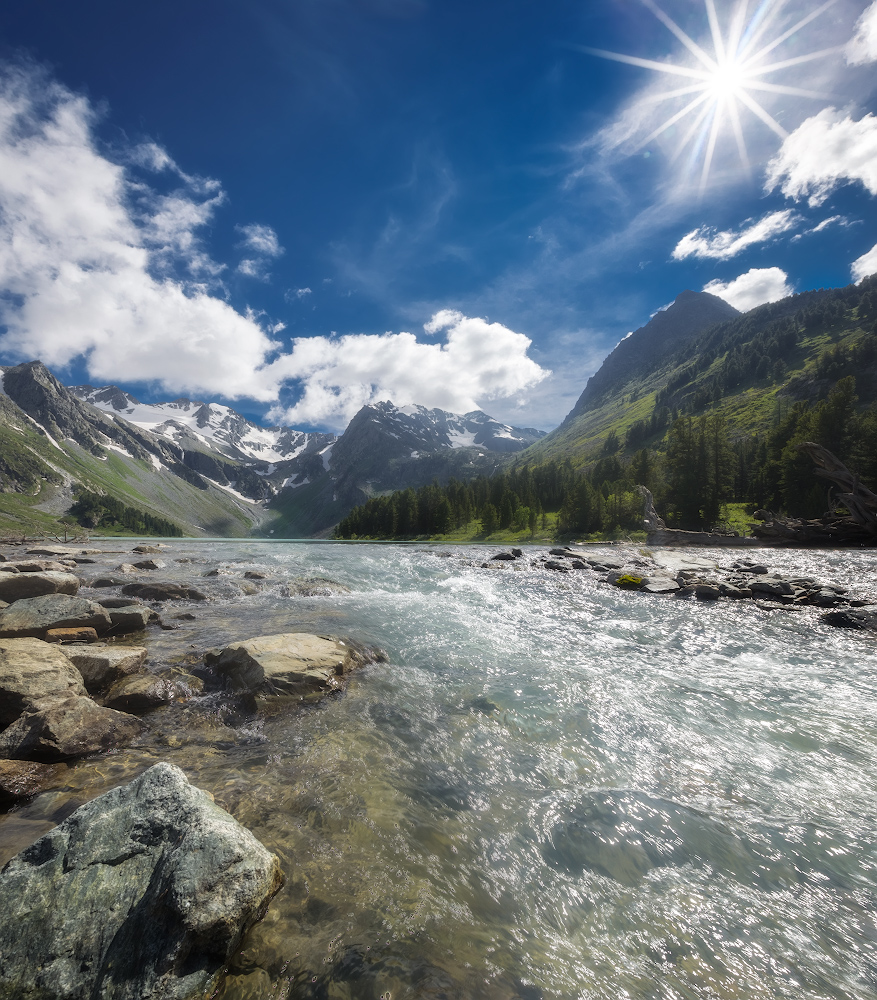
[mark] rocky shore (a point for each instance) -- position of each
(146, 890)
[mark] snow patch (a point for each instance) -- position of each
(326, 454)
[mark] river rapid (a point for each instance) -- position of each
(553, 788)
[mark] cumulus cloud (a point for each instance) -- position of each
(477, 361)
(824, 152)
(864, 265)
(707, 243)
(754, 288)
(94, 263)
(862, 47)
(97, 266)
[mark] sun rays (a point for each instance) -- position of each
(720, 83)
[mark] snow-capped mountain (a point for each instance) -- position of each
(217, 428)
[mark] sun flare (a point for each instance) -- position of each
(721, 83)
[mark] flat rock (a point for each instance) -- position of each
(20, 779)
(293, 663)
(861, 620)
(101, 666)
(32, 671)
(37, 566)
(60, 730)
(54, 550)
(102, 582)
(143, 893)
(660, 585)
(163, 592)
(80, 634)
(771, 588)
(143, 692)
(148, 549)
(36, 615)
(19, 586)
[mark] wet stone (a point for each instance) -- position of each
(141, 693)
(82, 634)
(163, 592)
(21, 779)
(150, 564)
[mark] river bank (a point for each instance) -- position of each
(448, 822)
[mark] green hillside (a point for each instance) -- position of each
(751, 369)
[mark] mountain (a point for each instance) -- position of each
(701, 355)
(668, 330)
(212, 471)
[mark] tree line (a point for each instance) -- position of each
(699, 469)
(93, 510)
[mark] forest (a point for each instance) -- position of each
(93, 510)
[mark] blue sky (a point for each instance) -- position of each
(299, 207)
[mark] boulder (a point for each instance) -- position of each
(163, 592)
(32, 672)
(19, 586)
(38, 566)
(133, 618)
(142, 692)
(558, 567)
(36, 615)
(627, 579)
(860, 620)
(143, 893)
(293, 663)
(315, 586)
(734, 592)
(149, 549)
(101, 666)
(251, 574)
(81, 634)
(771, 588)
(73, 727)
(150, 564)
(504, 556)
(129, 569)
(20, 779)
(564, 553)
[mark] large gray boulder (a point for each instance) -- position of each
(102, 666)
(163, 592)
(32, 672)
(17, 586)
(141, 894)
(56, 730)
(292, 663)
(35, 615)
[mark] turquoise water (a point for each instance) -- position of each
(552, 789)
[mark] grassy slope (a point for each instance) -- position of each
(136, 483)
(752, 407)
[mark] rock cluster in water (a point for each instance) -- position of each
(699, 578)
(145, 891)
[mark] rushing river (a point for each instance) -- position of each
(552, 789)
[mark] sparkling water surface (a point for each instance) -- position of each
(552, 789)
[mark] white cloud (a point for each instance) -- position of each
(260, 239)
(707, 243)
(754, 288)
(478, 361)
(864, 265)
(93, 263)
(862, 47)
(824, 152)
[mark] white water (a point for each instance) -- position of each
(553, 788)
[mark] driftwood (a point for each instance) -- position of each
(858, 528)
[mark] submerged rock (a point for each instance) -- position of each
(315, 586)
(293, 663)
(36, 615)
(140, 693)
(141, 893)
(20, 779)
(864, 620)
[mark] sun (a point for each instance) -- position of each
(722, 83)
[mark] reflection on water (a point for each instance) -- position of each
(553, 789)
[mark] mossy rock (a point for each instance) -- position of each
(627, 581)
